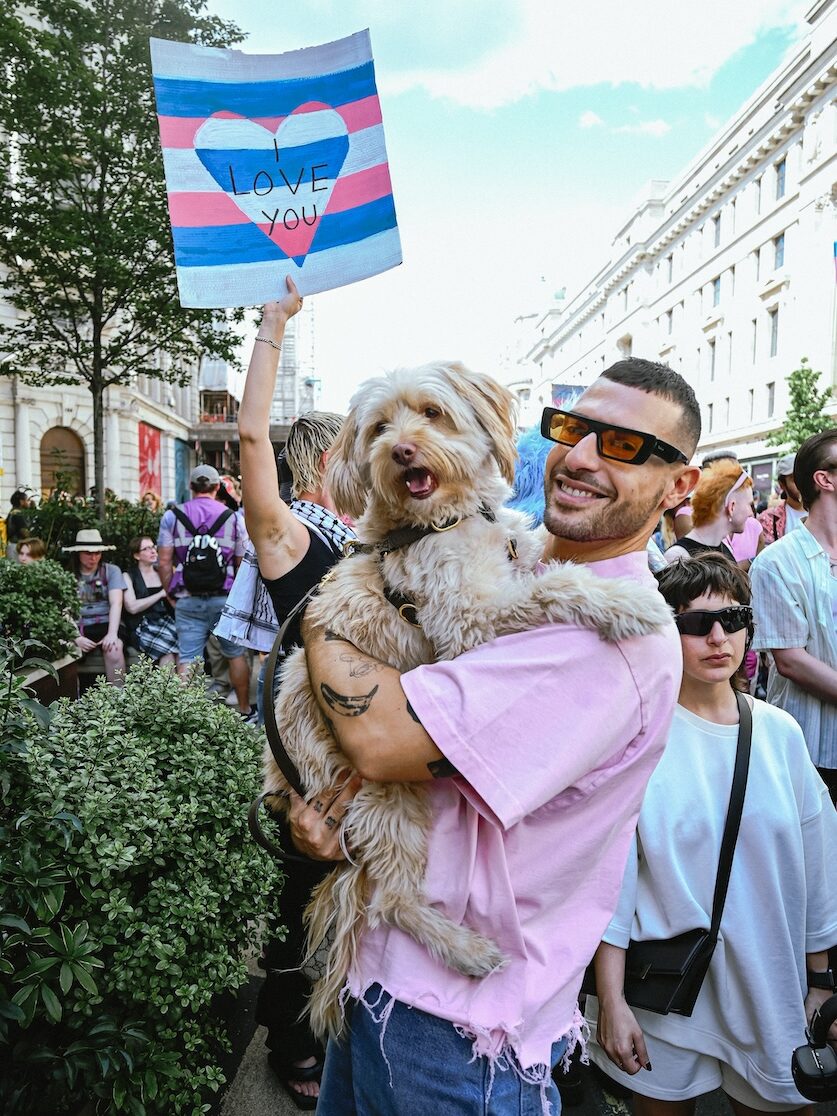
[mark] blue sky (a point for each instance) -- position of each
(519, 132)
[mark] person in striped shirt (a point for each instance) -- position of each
(795, 604)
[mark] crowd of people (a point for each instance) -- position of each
(503, 801)
(579, 790)
(149, 606)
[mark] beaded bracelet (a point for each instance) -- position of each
(273, 345)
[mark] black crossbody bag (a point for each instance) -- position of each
(666, 975)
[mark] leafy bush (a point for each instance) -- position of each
(131, 896)
(60, 517)
(38, 601)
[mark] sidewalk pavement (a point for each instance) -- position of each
(255, 1091)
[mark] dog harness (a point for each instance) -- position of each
(406, 536)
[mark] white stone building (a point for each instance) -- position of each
(154, 432)
(297, 388)
(148, 436)
(728, 272)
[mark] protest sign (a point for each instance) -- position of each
(275, 165)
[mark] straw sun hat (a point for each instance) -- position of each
(89, 539)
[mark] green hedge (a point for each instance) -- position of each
(131, 896)
(39, 601)
(58, 519)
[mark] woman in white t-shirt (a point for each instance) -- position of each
(770, 968)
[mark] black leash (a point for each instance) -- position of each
(283, 761)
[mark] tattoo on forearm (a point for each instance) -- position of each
(360, 666)
(347, 705)
(442, 768)
(413, 713)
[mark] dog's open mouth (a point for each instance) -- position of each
(420, 483)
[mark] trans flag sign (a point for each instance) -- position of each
(275, 165)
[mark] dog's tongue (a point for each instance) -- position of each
(419, 482)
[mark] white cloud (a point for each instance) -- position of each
(552, 47)
(645, 128)
(590, 119)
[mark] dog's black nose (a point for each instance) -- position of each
(403, 453)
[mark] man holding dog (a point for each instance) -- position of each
(536, 749)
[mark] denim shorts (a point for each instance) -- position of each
(196, 617)
(395, 1060)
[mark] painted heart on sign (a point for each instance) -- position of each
(282, 181)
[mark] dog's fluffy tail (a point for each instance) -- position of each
(337, 910)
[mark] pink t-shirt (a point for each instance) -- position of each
(555, 733)
(745, 544)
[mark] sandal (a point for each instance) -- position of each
(287, 1073)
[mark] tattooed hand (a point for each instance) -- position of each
(315, 825)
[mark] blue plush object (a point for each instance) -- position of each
(527, 497)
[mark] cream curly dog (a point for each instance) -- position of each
(431, 447)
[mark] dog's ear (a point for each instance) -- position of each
(343, 479)
(494, 406)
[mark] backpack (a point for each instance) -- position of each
(204, 566)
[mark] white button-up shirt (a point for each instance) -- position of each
(792, 596)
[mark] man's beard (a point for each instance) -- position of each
(609, 520)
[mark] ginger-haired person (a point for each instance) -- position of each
(721, 505)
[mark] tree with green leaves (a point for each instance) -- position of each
(86, 254)
(806, 412)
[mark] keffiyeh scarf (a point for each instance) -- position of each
(249, 617)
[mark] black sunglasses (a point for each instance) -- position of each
(700, 623)
(616, 442)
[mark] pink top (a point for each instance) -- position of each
(745, 544)
(555, 733)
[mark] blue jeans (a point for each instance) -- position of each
(195, 618)
(421, 1066)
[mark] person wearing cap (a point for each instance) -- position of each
(197, 614)
(100, 589)
(789, 512)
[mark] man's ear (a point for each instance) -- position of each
(683, 484)
(824, 481)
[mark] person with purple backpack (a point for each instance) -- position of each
(199, 548)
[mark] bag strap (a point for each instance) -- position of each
(180, 514)
(219, 522)
(734, 810)
(822, 1020)
(138, 582)
(283, 761)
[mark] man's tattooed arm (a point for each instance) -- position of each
(442, 769)
(332, 637)
(347, 705)
(359, 666)
(380, 736)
